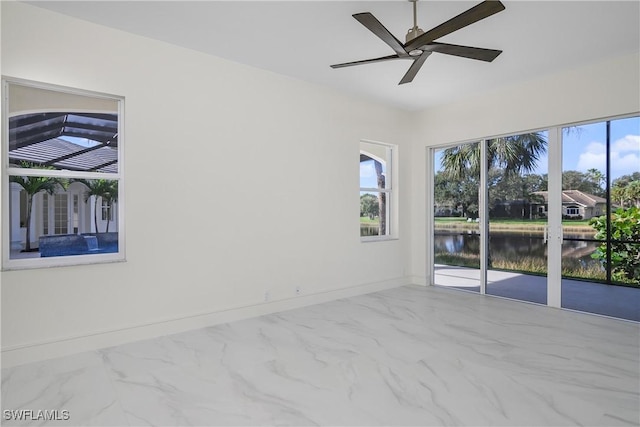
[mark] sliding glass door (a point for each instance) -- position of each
(456, 231)
(549, 217)
(516, 207)
(601, 217)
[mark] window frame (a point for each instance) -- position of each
(390, 190)
(5, 216)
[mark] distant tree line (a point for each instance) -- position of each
(460, 196)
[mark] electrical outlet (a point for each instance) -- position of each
(267, 296)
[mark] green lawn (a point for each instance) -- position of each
(501, 221)
(515, 222)
(450, 219)
(367, 220)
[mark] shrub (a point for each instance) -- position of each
(625, 244)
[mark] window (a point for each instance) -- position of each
(75, 214)
(60, 213)
(573, 210)
(63, 148)
(377, 197)
(45, 216)
(106, 210)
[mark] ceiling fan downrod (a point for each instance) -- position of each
(414, 31)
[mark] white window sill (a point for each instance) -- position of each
(378, 239)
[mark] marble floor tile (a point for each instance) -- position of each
(406, 356)
(78, 384)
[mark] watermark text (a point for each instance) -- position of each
(36, 414)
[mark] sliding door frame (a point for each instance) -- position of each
(554, 208)
(554, 217)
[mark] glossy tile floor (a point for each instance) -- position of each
(407, 356)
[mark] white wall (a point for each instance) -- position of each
(597, 91)
(238, 181)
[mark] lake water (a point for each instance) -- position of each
(508, 246)
(512, 247)
(368, 230)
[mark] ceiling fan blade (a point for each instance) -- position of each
(376, 27)
(367, 61)
(415, 67)
(475, 14)
(478, 53)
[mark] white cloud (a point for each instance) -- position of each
(625, 156)
(628, 143)
(624, 165)
(595, 157)
(596, 147)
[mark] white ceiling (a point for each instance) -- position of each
(302, 38)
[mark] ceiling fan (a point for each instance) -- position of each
(419, 44)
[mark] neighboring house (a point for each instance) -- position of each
(66, 211)
(575, 204)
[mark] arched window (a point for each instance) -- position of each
(376, 190)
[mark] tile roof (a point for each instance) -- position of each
(575, 196)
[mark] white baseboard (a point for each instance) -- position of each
(418, 280)
(37, 351)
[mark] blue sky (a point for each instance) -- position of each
(584, 147)
(84, 142)
(368, 176)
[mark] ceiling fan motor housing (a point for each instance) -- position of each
(413, 33)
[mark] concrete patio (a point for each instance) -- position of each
(607, 300)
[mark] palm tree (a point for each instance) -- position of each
(515, 154)
(382, 198)
(110, 196)
(105, 189)
(33, 185)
